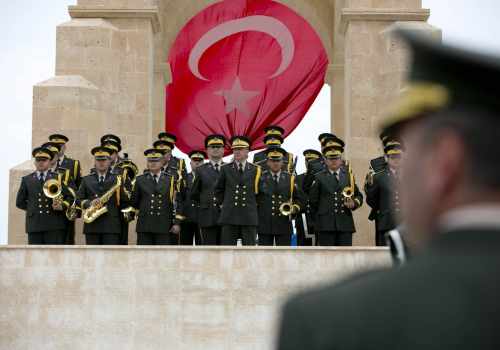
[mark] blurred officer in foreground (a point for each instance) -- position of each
(446, 295)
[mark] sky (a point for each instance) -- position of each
(28, 42)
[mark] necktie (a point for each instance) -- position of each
(101, 179)
(275, 178)
(155, 177)
(42, 178)
(240, 168)
(216, 167)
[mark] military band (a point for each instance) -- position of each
(216, 203)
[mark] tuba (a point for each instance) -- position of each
(52, 188)
(94, 211)
(348, 191)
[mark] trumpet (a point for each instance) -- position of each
(348, 191)
(287, 208)
(377, 166)
(52, 188)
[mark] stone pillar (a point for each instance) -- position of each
(374, 67)
(104, 83)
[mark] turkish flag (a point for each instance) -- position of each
(239, 66)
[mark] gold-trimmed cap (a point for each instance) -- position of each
(443, 77)
(332, 141)
(333, 152)
(58, 138)
(393, 147)
(169, 137)
(310, 154)
(275, 153)
(41, 153)
(112, 145)
(215, 140)
(240, 142)
(153, 154)
(163, 145)
(197, 155)
(111, 137)
(54, 147)
(324, 136)
(273, 140)
(274, 130)
(101, 153)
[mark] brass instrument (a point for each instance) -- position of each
(72, 211)
(288, 208)
(96, 210)
(129, 214)
(130, 169)
(348, 191)
(377, 166)
(52, 188)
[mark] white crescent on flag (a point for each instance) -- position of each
(265, 24)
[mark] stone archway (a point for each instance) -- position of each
(111, 71)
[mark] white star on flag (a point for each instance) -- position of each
(236, 98)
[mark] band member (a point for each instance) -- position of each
(190, 229)
(102, 188)
(54, 164)
(115, 149)
(278, 200)
(202, 192)
(273, 138)
(171, 164)
(236, 190)
(333, 196)
(156, 198)
(45, 217)
(305, 221)
(73, 165)
(382, 193)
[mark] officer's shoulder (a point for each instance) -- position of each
(203, 167)
(253, 165)
(143, 176)
(28, 176)
(226, 165)
(321, 173)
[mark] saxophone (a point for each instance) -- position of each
(94, 211)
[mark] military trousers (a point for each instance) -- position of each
(47, 237)
(190, 231)
(211, 235)
(151, 238)
(231, 233)
(102, 238)
(334, 238)
(280, 240)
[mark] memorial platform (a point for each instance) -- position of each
(81, 297)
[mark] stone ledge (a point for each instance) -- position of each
(151, 13)
(383, 15)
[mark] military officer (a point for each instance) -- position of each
(205, 178)
(274, 137)
(333, 210)
(236, 190)
(174, 163)
(279, 200)
(171, 164)
(45, 218)
(160, 206)
(106, 228)
(305, 221)
(73, 165)
(190, 229)
(382, 193)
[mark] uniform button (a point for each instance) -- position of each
(235, 204)
(236, 197)
(244, 186)
(192, 204)
(272, 214)
(39, 199)
(272, 208)
(273, 195)
(39, 206)
(215, 198)
(48, 212)
(336, 210)
(244, 198)
(151, 213)
(41, 212)
(158, 214)
(159, 196)
(152, 195)
(244, 192)
(243, 205)
(236, 191)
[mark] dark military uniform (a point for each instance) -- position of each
(190, 228)
(71, 172)
(73, 167)
(44, 225)
(206, 177)
(304, 221)
(333, 220)
(272, 224)
(383, 197)
(237, 192)
(157, 212)
(107, 228)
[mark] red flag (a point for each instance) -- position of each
(239, 66)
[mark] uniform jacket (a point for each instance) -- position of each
(40, 216)
(270, 198)
(203, 192)
(237, 193)
(383, 197)
(444, 298)
(190, 207)
(74, 168)
(155, 202)
(91, 189)
(327, 202)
